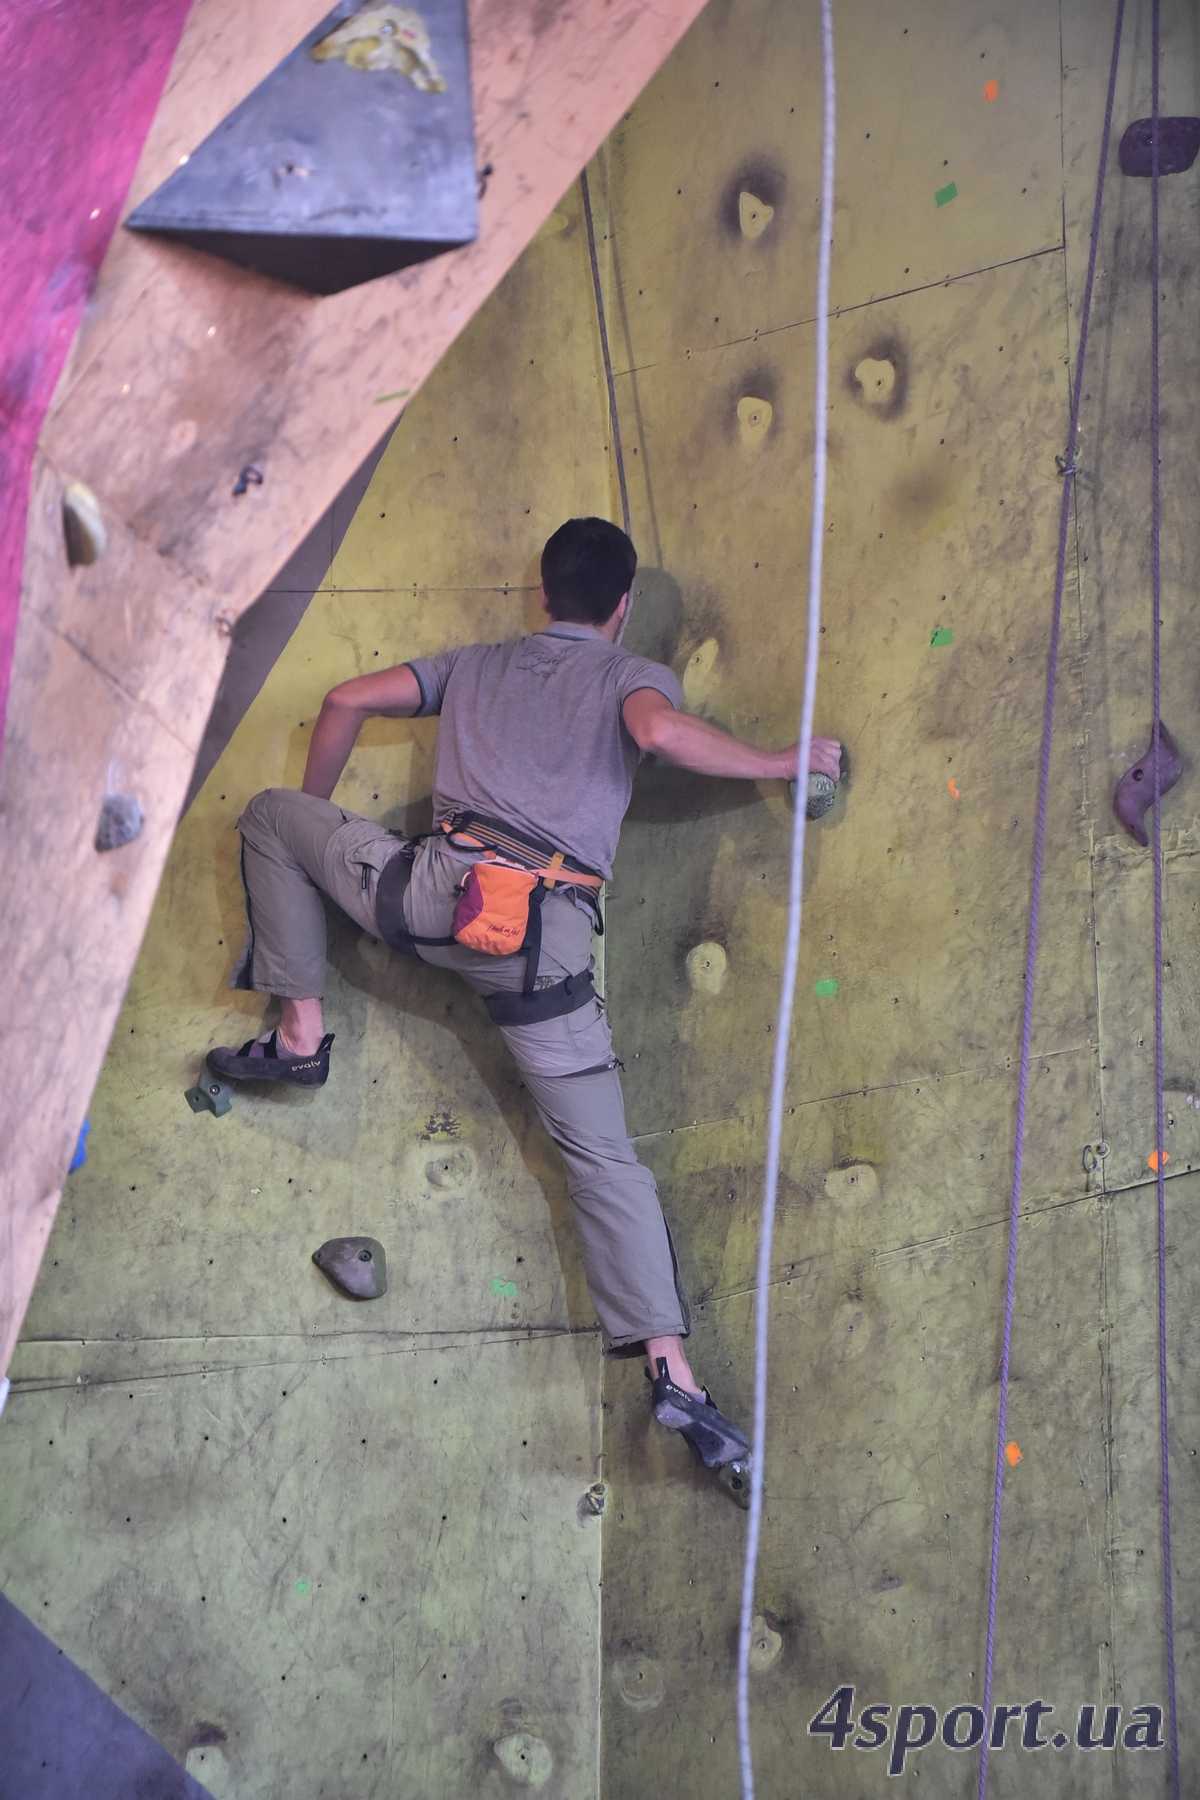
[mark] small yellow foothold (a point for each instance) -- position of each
(754, 418)
(381, 38)
(706, 965)
(876, 378)
(754, 215)
(765, 1643)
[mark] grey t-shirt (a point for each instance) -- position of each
(532, 733)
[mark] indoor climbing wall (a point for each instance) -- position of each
(963, 135)
(328, 1549)
(316, 1547)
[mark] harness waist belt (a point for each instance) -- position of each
(474, 831)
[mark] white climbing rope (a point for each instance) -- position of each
(787, 991)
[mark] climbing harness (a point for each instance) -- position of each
(499, 909)
(787, 993)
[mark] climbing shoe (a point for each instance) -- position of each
(262, 1060)
(715, 1439)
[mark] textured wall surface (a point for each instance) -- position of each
(321, 1549)
(948, 405)
(209, 1460)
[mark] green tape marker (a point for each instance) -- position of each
(945, 195)
(304, 1587)
(941, 637)
(826, 988)
(505, 1290)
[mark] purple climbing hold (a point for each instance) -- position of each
(356, 1266)
(1178, 142)
(1135, 790)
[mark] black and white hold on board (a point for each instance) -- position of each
(354, 158)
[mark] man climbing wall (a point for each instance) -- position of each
(539, 743)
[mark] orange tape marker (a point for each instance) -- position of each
(952, 788)
(1152, 1160)
(1013, 1452)
(991, 90)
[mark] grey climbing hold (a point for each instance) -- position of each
(83, 525)
(120, 821)
(822, 792)
(210, 1095)
(593, 1501)
(356, 1266)
(525, 1759)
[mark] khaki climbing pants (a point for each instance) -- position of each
(296, 848)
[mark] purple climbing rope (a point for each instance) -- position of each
(1035, 895)
(614, 417)
(1160, 1174)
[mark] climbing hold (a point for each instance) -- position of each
(384, 38)
(754, 215)
(80, 1156)
(952, 788)
(120, 821)
(525, 1759)
(822, 792)
(1152, 1160)
(83, 525)
(594, 1500)
(1012, 1453)
(248, 477)
(452, 1171)
(754, 418)
(852, 1181)
(707, 965)
(944, 195)
(356, 1266)
(1134, 794)
(876, 378)
(639, 1681)
(211, 1096)
(1093, 1157)
(940, 637)
(1178, 142)
(765, 1643)
(991, 91)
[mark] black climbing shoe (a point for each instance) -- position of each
(264, 1062)
(715, 1439)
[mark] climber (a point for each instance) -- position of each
(539, 741)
